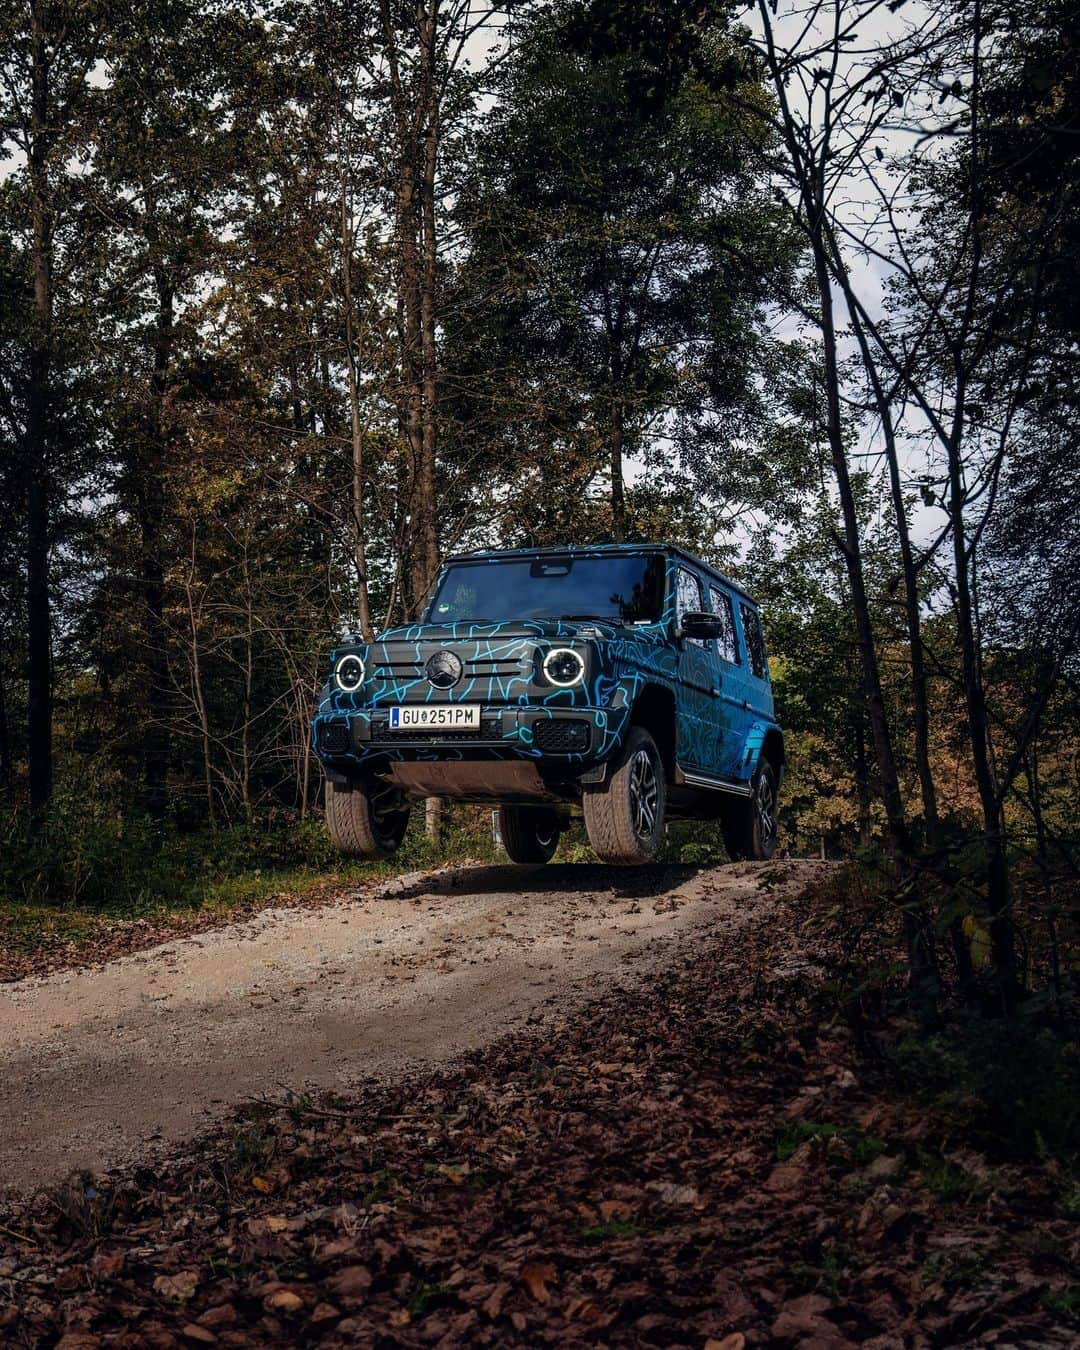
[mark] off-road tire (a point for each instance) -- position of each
(365, 820)
(529, 834)
(619, 830)
(742, 819)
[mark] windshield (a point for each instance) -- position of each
(618, 589)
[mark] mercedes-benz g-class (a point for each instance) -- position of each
(629, 680)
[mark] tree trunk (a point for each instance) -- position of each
(426, 507)
(618, 494)
(197, 693)
(150, 495)
(433, 819)
(38, 603)
(1002, 938)
(862, 780)
(363, 601)
(892, 800)
(919, 703)
(5, 737)
(922, 973)
(416, 119)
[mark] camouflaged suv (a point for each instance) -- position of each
(628, 680)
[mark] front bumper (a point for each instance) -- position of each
(551, 736)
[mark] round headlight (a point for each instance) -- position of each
(563, 666)
(349, 672)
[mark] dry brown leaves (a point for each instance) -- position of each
(617, 1183)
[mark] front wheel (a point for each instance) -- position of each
(366, 820)
(748, 824)
(625, 818)
(529, 834)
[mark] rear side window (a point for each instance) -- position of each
(688, 599)
(755, 645)
(726, 646)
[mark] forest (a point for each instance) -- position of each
(300, 298)
(297, 299)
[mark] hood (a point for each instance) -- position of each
(507, 628)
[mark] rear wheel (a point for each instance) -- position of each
(625, 817)
(530, 834)
(366, 820)
(748, 824)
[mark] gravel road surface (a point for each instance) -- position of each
(100, 1066)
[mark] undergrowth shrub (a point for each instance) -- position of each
(1012, 1088)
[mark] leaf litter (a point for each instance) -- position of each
(712, 1161)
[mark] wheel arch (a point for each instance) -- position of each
(764, 741)
(654, 709)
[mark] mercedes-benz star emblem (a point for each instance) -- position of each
(443, 670)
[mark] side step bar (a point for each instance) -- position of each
(692, 778)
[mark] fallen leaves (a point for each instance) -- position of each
(801, 1319)
(283, 1301)
(536, 1277)
(620, 1181)
(351, 1284)
(177, 1288)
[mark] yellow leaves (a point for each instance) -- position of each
(979, 940)
(266, 1183)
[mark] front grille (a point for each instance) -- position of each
(561, 736)
(397, 670)
(334, 738)
(399, 665)
(498, 666)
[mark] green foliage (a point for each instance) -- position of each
(425, 1297)
(1065, 1302)
(621, 258)
(88, 859)
(611, 1228)
(1013, 1089)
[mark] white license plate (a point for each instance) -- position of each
(435, 717)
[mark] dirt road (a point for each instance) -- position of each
(96, 1066)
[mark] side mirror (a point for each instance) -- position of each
(697, 624)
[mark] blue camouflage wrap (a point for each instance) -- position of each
(502, 673)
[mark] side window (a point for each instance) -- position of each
(755, 645)
(726, 646)
(688, 597)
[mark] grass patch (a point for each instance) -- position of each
(1064, 1303)
(951, 1271)
(864, 1147)
(383, 1183)
(424, 1298)
(611, 1228)
(950, 1183)
(89, 867)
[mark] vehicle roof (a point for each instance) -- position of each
(483, 554)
